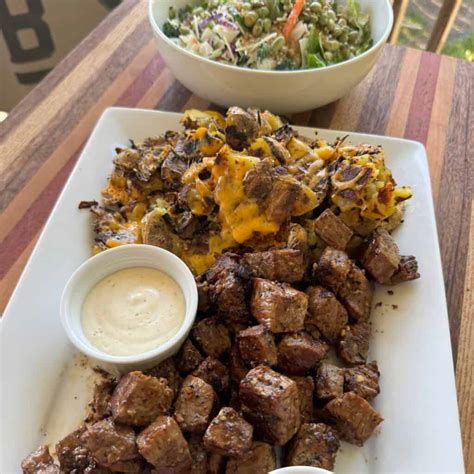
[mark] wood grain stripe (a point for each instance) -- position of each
(348, 109)
(42, 145)
(8, 283)
(58, 99)
(420, 110)
(33, 220)
(464, 369)
(144, 80)
(45, 87)
(379, 100)
(322, 117)
(456, 190)
(196, 102)
(175, 98)
(157, 90)
(436, 140)
(401, 103)
(73, 140)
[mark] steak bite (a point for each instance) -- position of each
(299, 352)
(138, 399)
(237, 367)
(354, 343)
(285, 265)
(332, 230)
(363, 380)
(258, 180)
(260, 459)
(278, 306)
(381, 257)
(315, 445)
(228, 281)
(354, 418)
(100, 407)
(39, 462)
(228, 434)
(213, 372)
(356, 294)
(305, 394)
(163, 445)
(204, 300)
(281, 200)
(329, 382)
(257, 346)
(72, 455)
(271, 403)
(332, 269)
(229, 293)
(406, 271)
(167, 370)
(194, 405)
(325, 312)
(211, 336)
(112, 446)
(188, 357)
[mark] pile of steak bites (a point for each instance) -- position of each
(252, 373)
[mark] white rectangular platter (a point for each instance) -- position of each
(43, 393)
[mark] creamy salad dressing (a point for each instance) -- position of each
(133, 311)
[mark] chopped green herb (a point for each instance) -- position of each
(170, 29)
(263, 51)
(286, 64)
(313, 61)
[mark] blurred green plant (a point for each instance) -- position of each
(418, 24)
(461, 47)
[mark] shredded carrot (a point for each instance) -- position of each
(293, 18)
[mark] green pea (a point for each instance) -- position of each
(329, 56)
(323, 19)
(331, 14)
(246, 6)
(353, 36)
(278, 43)
(316, 7)
(257, 29)
(172, 12)
(257, 3)
(342, 22)
(267, 25)
(263, 12)
(250, 18)
(332, 45)
(337, 31)
(331, 24)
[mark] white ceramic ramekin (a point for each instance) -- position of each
(113, 260)
(300, 470)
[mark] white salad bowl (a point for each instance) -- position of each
(105, 263)
(281, 92)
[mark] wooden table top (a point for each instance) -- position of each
(410, 94)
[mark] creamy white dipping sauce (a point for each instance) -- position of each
(133, 311)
